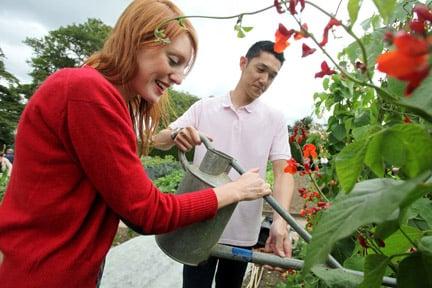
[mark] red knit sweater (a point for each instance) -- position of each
(75, 172)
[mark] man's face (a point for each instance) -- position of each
(258, 74)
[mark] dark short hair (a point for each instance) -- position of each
(264, 46)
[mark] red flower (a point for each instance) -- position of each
(306, 50)
(406, 119)
(423, 12)
(282, 35)
(325, 70)
(418, 27)
(291, 168)
(408, 62)
(388, 37)
(309, 150)
(330, 24)
(293, 4)
(360, 66)
(278, 6)
(302, 33)
(362, 241)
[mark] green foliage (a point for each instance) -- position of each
(353, 9)
(385, 8)
(336, 278)
(11, 105)
(375, 267)
(165, 172)
(169, 183)
(420, 101)
(157, 167)
(4, 179)
(65, 47)
(180, 102)
(395, 146)
(371, 201)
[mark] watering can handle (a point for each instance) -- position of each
(182, 156)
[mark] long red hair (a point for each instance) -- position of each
(117, 60)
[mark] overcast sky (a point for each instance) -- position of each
(217, 67)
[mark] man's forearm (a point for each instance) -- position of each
(283, 189)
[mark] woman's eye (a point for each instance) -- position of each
(173, 60)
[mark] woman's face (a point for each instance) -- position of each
(160, 67)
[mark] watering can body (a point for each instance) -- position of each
(192, 244)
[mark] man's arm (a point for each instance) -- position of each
(279, 240)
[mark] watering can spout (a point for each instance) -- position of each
(192, 244)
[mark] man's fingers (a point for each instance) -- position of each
(287, 247)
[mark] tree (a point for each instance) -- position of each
(65, 47)
(10, 104)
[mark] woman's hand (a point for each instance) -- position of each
(249, 186)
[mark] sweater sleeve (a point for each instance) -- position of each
(105, 146)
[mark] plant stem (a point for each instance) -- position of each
(409, 239)
(363, 51)
(318, 188)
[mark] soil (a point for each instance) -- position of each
(269, 279)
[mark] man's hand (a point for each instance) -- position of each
(279, 241)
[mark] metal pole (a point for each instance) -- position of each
(332, 262)
(246, 255)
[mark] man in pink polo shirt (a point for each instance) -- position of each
(242, 126)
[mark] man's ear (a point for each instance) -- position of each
(243, 62)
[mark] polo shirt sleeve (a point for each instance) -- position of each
(189, 118)
(103, 140)
(280, 149)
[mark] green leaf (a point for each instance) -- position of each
(337, 278)
(240, 34)
(339, 131)
(388, 227)
(420, 101)
(355, 262)
(374, 269)
(408, 145)
(326, 83)
(349, 163)
(423, 208)
(397, 243)
(371, 201)
(413, 272)
(353, 9)
(425, 246)
(247, 28)
(385, 8)
(373, 158)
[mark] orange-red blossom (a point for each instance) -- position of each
(409, 61)
(309, 150)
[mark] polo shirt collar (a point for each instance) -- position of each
(227, 103)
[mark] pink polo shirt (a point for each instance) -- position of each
(252, 134)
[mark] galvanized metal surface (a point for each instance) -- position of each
(192, 244)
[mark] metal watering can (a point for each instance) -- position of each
(192, 244)
(195, 243)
